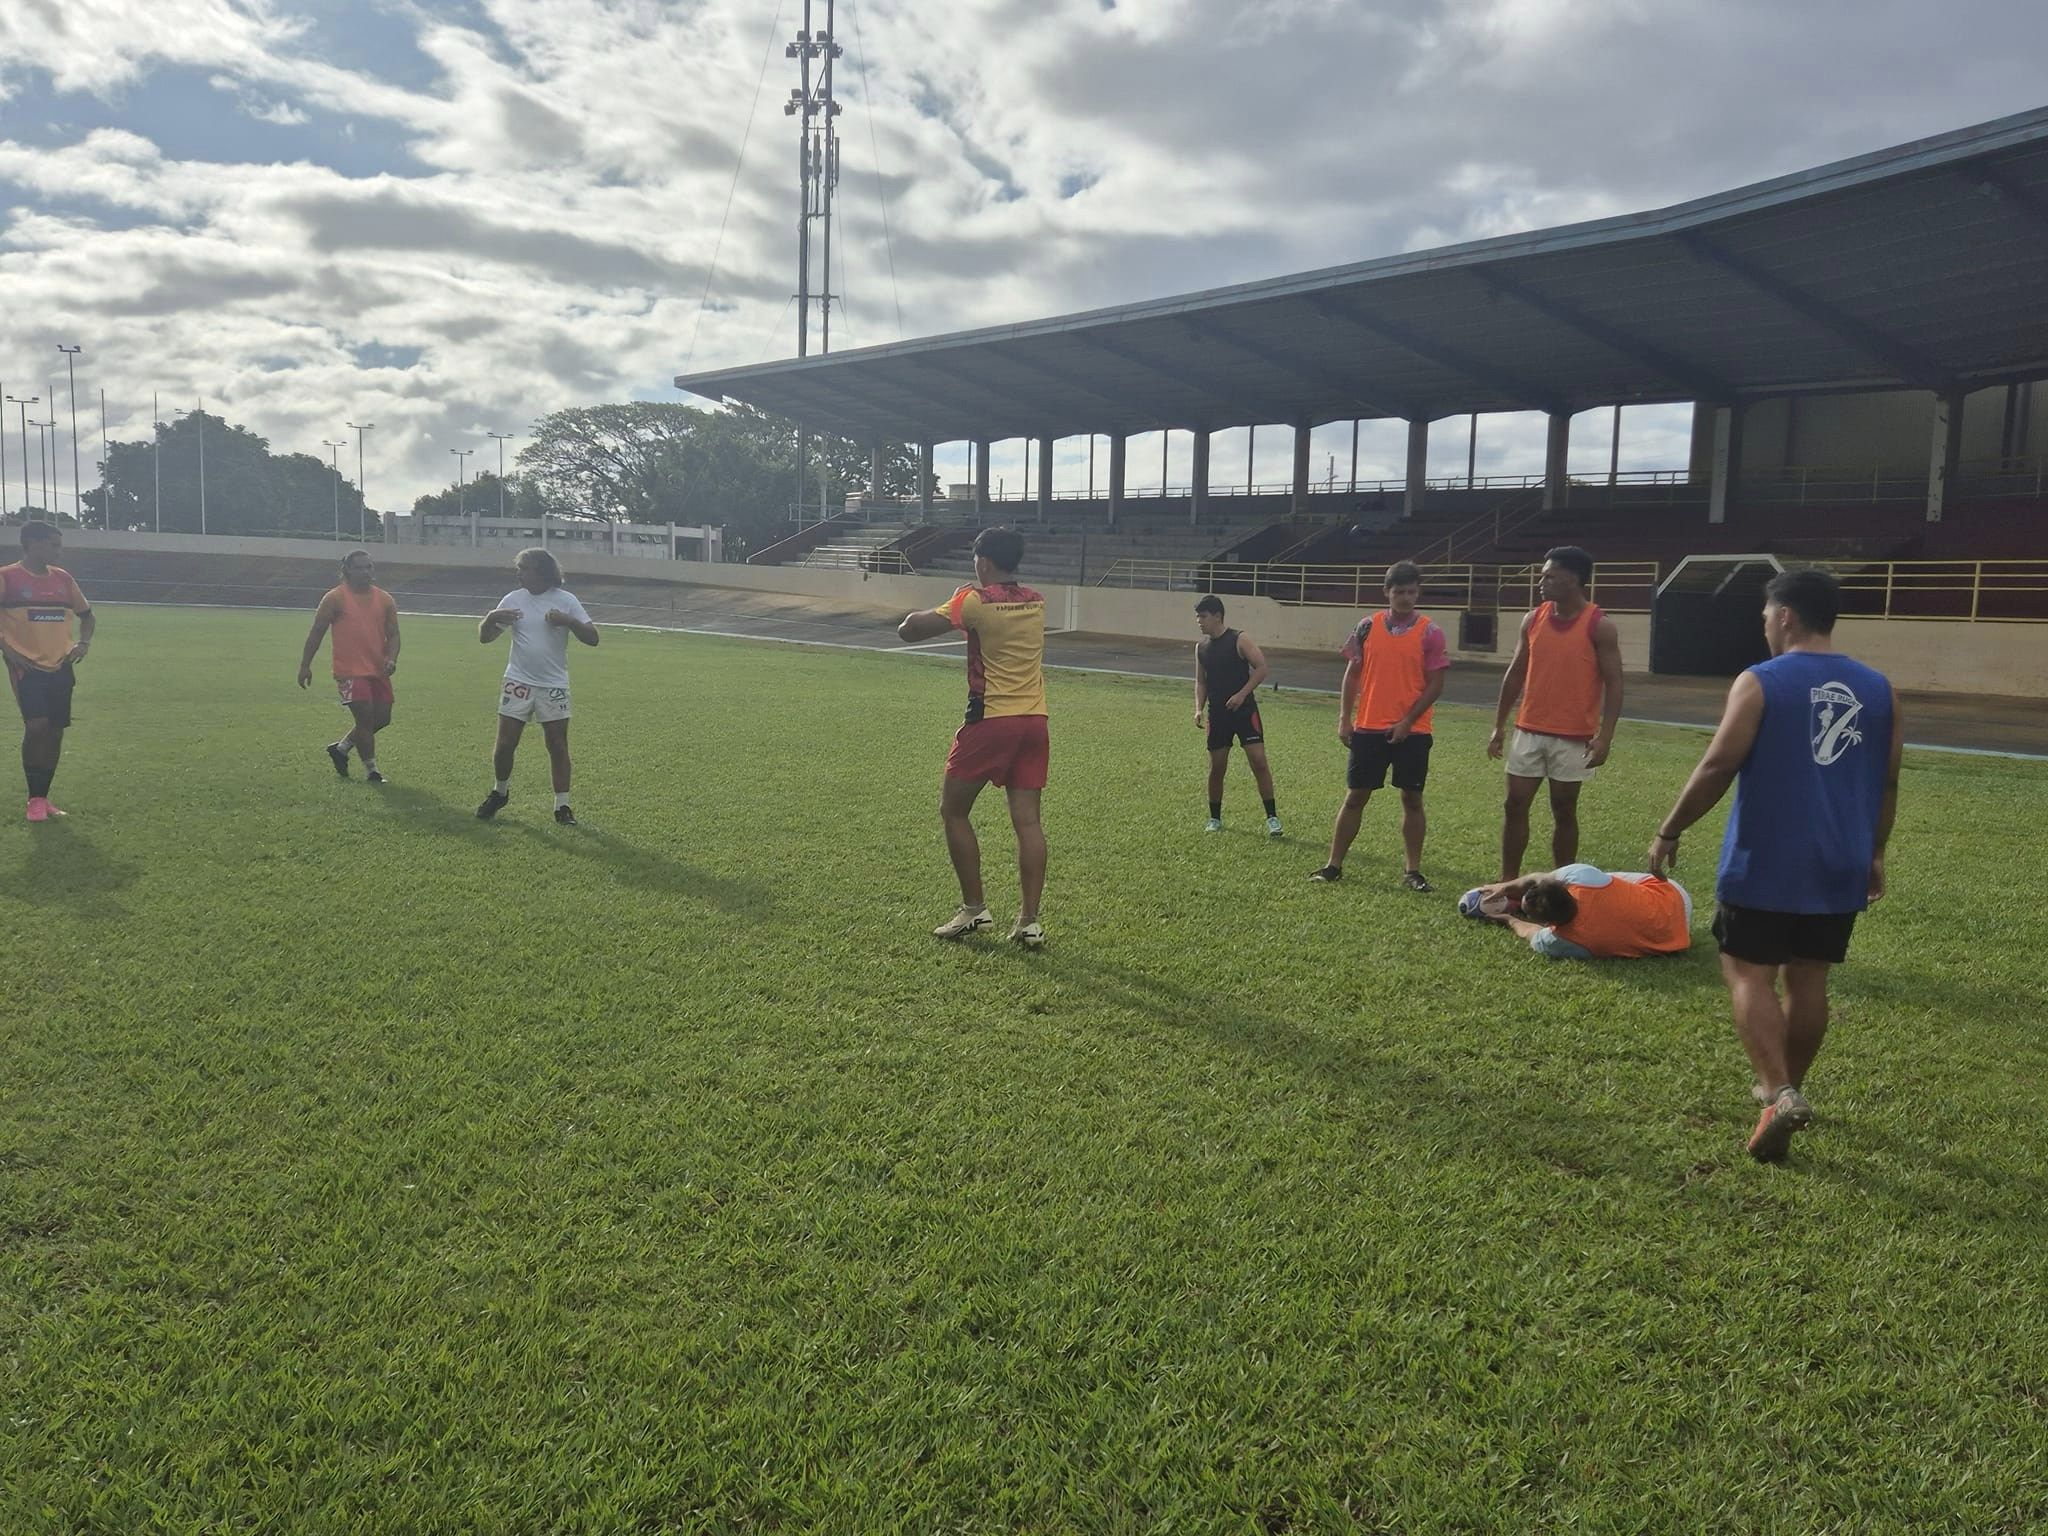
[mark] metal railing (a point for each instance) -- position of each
(1618, 586)
(860, 557)
(2009, 591)
(1487, 528)
(1836, 484)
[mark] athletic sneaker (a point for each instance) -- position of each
(1782, 1117)
(1213, 824)
(1414, 881)
(40, 809)
(338, 756)
(1329, 874)
(564, 817)
(963, 922)
(1272, 826)
(374, 777)
(494, 802)
(1031, 935)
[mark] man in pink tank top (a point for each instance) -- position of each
(1566, 676)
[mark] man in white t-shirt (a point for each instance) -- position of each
(542, 615)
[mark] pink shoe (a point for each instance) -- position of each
(38, 808)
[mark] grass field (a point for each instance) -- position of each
(367, 1168)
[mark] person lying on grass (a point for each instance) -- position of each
(1580, 912)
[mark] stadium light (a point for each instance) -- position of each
(71, 377)
(24, 404)
(362, 490)
(503, 438)
(462, 463)
(334, 445)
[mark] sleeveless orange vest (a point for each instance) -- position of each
(1626, 919)
(1561, 693)
(1393, 678)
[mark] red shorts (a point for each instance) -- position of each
(1010, 752)
(364, 690)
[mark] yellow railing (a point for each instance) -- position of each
(2009, 590)
(1619, 586)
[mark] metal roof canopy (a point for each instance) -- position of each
(1923, 266)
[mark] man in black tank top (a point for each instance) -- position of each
(1228, 668)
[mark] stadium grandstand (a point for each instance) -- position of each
(1859, 343)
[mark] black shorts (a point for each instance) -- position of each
(1781, 938)
(43, 695)
(1372, 755)
(1228, 725)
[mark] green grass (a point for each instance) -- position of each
(366, 1168)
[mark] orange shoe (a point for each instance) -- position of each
(1785, 1115)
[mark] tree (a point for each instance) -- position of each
(248, 488)
(480, 497)
(660, 463)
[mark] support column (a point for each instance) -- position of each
(1557, 444)
(1299, 504)
(1044, 478)
(1614, 455)
(1418, 468)
(1198, 498)
(1119, 447)
(981, 480)
(924, 480)
(874, 472)
(1946, 452)
(1726, 463)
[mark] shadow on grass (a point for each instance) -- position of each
(627, 862)
(1432, 1109)
(62, 867)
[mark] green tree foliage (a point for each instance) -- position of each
(248, 488)
(658, 463)
(480, 497)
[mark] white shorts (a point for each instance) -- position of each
(1532, 756)
(527, 701)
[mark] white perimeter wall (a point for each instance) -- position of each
(1932, 654)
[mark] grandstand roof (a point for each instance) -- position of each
(1923, 266)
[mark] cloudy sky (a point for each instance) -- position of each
(449, 217)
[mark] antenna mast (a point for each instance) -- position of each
(817, 177)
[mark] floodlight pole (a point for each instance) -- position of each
(24, 404)
(71, 377)
(502, 438)
(106, 454)
(817, 175)
(334, 445)
(362, 491)
(461, 509)
(156, 457)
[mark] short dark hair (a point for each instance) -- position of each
(37, 532)
(1546, 900)
(1403, 573)
(1210, 604)
(1814, 596)
(550, 567)
(351, 555)
(1002, 548)
(1573, 559)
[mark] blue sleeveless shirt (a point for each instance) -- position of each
(1808, 797)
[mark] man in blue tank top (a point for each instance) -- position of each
(1812, 741)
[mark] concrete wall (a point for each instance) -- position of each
(1887, 430)
(1951, 655)
(1931, 654)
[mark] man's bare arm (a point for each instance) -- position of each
(495, 623)
(1432, 690)
(1607, 652)
(1511, 687)
(922, 625)
(1249, 652)
(1717, 768)
(1888, 813)
(313, 638)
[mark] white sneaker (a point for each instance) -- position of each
(1031, 935)
(1272, 826)
(1213, 824)
(963, 922)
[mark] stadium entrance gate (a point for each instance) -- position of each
(1707, 619)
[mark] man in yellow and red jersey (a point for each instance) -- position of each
(1582, 912)
(364, 620)
(37, 600)
(1393, 673)
(1566, 674)
(1003, 741)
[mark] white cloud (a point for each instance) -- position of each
(553, 176)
